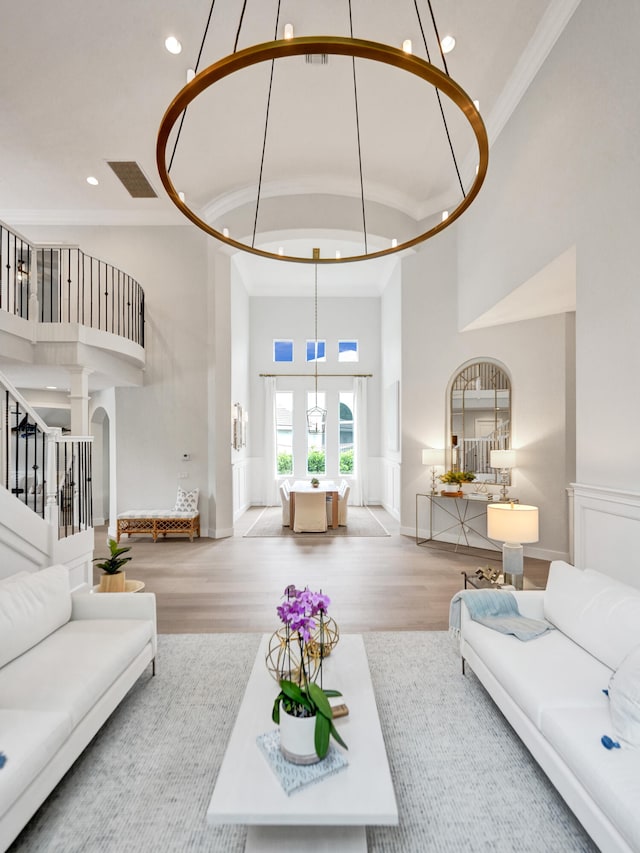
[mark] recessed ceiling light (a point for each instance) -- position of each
(406, 45)
(288, 31)
(51, 387)
(93, 181)
(447, 44)
(172, 44)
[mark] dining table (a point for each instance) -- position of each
(326, 486)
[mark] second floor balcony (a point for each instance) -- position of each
(62, 307)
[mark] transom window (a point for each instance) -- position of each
(283, 351)
(348, 351)
(316, 351)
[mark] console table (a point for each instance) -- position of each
(332, 814)
(457, 513)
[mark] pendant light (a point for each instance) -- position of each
(316, 415)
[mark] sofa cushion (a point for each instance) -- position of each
(31, 607)
(611, 776)
(73, 667)
(550, 671)
(29, 739)
(624, 699)
(599, 613)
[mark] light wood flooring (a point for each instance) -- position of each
(234, 584)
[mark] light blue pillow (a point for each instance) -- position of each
(624, 699)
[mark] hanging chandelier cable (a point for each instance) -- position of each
(184, 113)
(437, 91)
(355, 96)
(315, 325)
(264, 139)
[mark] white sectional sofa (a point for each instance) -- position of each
(551, 691)
(66, 661)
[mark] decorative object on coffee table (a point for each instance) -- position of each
(113, 578)
(453, 481)
(302, 708)
(315, 482)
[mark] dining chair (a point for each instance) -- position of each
(286, 504)
(311, 514)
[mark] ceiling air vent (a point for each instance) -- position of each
(132, 178)
(316, 58)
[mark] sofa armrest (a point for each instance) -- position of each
(530, 603)
(115, 605)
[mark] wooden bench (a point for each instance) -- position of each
(167, 522)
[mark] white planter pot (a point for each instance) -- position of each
(451, 488)
(297, 735)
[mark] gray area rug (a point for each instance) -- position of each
(463, 780)
(360, 522)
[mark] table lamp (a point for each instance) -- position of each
(512, 524)
(504, 460)
(435, 458)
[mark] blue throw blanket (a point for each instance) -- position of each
(497, 609)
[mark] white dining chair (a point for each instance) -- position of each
(311, 514)
(286, 503)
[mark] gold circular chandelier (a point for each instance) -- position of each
(329, 45)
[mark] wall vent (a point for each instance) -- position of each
(316, 58)
(132, 178)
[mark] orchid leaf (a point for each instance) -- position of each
(321, 735)
(319, 699)
(335, 734)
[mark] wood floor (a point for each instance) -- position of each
(234, 585)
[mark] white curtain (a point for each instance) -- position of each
(361, 444)
(271, 496)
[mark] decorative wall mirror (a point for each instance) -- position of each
(479, 418)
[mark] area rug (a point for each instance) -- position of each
(463, 780)
(360, 522)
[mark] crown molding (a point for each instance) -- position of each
(548, 31)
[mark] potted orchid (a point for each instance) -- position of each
(302, 708)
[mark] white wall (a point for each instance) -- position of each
(389, 470)
(240, 390)
(292, 318)
(534, 353)
(156, 424)
(564, 172)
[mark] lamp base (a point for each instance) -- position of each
(513, 564)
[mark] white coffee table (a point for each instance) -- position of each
(332, 814)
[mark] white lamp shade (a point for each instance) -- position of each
(512, 522)
(431, 456)
(502, 459)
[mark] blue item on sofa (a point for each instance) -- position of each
(496, 609)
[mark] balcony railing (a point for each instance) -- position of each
(64, 285)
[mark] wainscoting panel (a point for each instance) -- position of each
(241, 501)
(606, 525)
(391, 487)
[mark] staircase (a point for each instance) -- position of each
(45, 492)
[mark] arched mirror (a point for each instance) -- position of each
(479, 418)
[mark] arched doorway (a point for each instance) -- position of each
(100, 467)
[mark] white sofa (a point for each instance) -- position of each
(66, 661)
(551, 691)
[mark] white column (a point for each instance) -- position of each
(79, 397)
